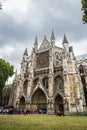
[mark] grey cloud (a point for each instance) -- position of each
(11, 30)
(63, 16)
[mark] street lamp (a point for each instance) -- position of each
(0, 5)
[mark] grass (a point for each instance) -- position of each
(42, 122)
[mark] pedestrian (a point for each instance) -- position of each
(25, 111)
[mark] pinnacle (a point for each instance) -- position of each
(65, 39)
(52, 36)
(45, 37)
(26, 53)
(36, 42)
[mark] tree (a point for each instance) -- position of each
(0, 5)
(84, 9)
(6, 70)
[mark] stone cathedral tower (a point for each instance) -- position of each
(49, 79)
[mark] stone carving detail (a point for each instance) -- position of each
(58, 84)
(58, 60)
(42, 60)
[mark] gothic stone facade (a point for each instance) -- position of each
(49, 80)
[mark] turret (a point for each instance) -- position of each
(44, 39)
(65, 44)
(25, 55)
(24, 62)
(25, 52)
(52, 39)
(71, 52)
(36, 44)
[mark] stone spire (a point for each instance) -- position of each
(52, 36)
(25, 52)
(36, 43)
(52, 39)
(65, 39)
(45, 39)
(65, 44)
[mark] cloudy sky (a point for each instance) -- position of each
(22, 20)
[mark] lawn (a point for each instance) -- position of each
(42, 122)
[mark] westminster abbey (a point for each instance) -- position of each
(50, 79)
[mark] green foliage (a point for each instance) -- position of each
(0, 5)
(6, 70)
(84, 9)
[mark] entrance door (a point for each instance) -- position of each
(39, 102)
(58, 106)
(61, 109)
(22, 102)
(42, 108)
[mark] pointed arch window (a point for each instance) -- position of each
(81, 69)
(36, 81)
(45, 82)
(58, 82)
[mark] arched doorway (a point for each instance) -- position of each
(22, 102)
(58, 105)
(38, 103)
